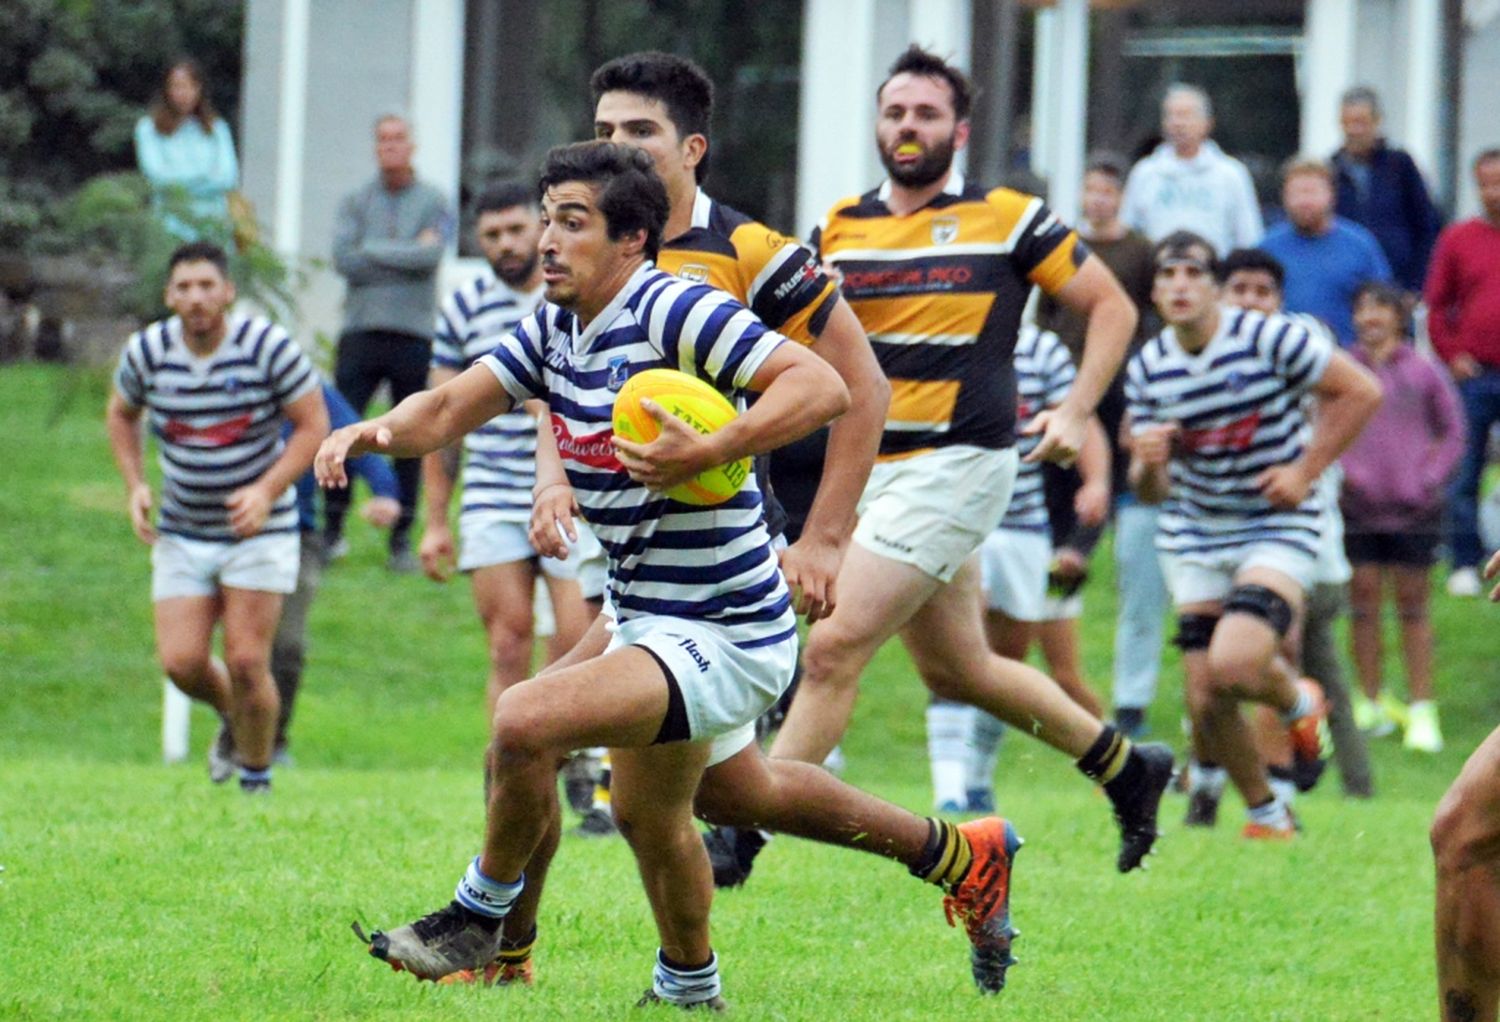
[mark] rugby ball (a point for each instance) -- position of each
(695, 403)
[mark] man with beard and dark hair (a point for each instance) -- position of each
(937, 270)
(498, 457)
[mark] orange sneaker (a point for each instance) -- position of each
(981, 901)
(495, 974)
(1266, 832)
(1312, 743)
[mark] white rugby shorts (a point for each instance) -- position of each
(1209, 576)
(194, 567)
(485, 540)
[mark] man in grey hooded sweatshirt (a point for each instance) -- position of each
(1189, 183)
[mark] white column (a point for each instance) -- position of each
(836, 130)
(942, 26)
(292, 128)
(1044, 79)
(1424, 62)
(1070, 99)
(1325, 68)
(437, 91)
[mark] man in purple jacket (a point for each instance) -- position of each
(1395, 480)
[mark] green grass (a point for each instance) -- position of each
(133, 890)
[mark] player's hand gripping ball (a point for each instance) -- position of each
(695, 403)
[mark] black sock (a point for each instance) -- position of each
(945, 858)
(1112, 762)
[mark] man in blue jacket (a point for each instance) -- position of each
(1380, 188)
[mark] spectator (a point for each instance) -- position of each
(1189, 183)
(184, 149)
(1326, 257)
(1395, 474)
(1380, 188)
(387, 242)
(1143, 593)
(1463, 319)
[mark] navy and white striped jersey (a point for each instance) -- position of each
(500, 456)
(1044, 373)
(216, 418)
(1239, 405)
(665, 558)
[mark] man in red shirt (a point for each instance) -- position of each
(1463, 299)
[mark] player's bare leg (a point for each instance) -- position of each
(1059, 640)
(571, 615)
(250, 618)
(1466, 848)
(503, 598)
(184, 645)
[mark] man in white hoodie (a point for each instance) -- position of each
(1189, 183)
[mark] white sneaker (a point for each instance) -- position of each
(1422, 731)
(1464, 582)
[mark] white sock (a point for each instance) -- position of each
(985, 732)
(485, 896)
(1301, 708)
(1272, 814)
(1206, 779)
(1284, 790)
(685, 986)
(948, 750)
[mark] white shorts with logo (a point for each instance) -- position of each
(724, 688)
(933, 510)
(195, 567)
(1209, 576)
(1014, 565)
(486, 540)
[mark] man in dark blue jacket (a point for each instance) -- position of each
(1380, 188)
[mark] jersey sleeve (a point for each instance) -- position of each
(1138, 403)
(1045, 250)
(288, 368)
(784, 284)
(1057, 370)
(130, 374)
(704, 332)
(448, 336)
(1298, 355)
(517, 359)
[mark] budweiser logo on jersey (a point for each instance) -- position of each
(1234, 436)
(594, 449)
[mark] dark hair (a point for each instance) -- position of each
(199, 252)
(1178, 245)
(917, 61)
(675, 82)
(502, 196)
(1109, 164)
(1486, 156)
(1390, 296)
(1255, 260)
(165, 117)
(630, 195)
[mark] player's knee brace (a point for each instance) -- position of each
(1195, 631)
(1266, 604)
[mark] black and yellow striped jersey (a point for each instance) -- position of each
(940, 293)
(774, 276)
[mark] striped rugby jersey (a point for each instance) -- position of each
(217, 418)
(665, 558)
(1239, 402)
(940, 293)
(500, 456)
(1044, 373)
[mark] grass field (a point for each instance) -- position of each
(136, 891)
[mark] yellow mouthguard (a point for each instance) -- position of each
(908, 149)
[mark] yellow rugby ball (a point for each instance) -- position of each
(695, 403)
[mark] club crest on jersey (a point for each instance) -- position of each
(695, 272)
(1235, 381)
(619, 372)
(944, 229)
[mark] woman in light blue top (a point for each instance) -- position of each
(184, 144)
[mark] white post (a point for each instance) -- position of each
(176, 719)
(1325, 68)
(291, 127)
(1424, 61)
(1070, 98)
(1043, 92)
(836, 129)
(437, 92)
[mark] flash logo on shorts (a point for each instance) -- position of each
(698, 658)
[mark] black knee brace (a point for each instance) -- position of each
(1258, 601)
(1195, 631)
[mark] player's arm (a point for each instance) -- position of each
(798, 393)
(1094, 293)
(424, 422)
(1091, 503)
(812, 563)
(1348, 395)
(553, 506)
(439, 470)
(122, 421)
(1150, 450)
(250, 506)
